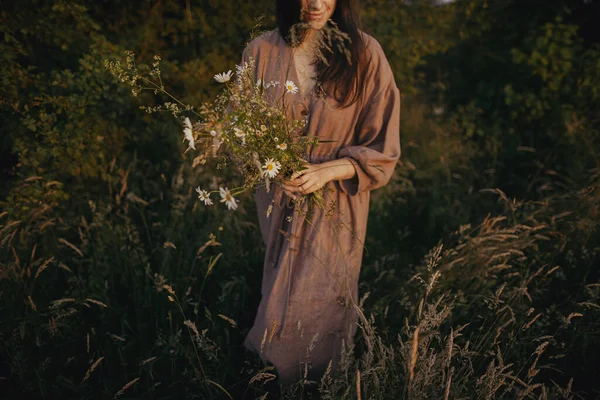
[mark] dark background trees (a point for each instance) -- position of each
(500, 164)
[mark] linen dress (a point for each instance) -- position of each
(312, 261)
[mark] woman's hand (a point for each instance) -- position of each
(314, 176)
(306, 181)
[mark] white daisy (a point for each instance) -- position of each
(189, 133)
(241, 134)
(204, 196)
(227, 198)
(271, 167)
(282, 146)
(213, 133)
(223, 77)
(291, 87)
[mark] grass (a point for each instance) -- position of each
(137, 293)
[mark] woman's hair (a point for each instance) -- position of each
(341, 74)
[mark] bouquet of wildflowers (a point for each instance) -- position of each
(241, 126)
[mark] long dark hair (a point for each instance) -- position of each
(338, 76)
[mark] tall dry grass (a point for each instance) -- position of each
(140, 295)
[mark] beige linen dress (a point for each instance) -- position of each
(312, 262)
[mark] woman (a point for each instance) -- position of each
(312, 261)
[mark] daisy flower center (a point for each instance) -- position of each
(270, 167)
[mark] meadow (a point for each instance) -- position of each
(480, 278)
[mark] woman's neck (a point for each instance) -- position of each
(310, 41)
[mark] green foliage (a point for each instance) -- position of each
(500, 147)
(409, 33)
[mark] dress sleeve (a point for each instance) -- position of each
(377, 135)
(251, 51)
(245, 55)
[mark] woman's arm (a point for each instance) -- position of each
(315, 176)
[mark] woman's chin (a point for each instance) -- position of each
(317, 25)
